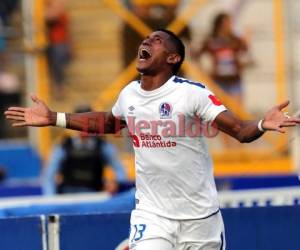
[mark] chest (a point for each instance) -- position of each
(164, 107)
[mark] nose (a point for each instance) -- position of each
(146, 41)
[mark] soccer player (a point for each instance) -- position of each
(176, 198)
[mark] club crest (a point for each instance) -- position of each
(165, 110)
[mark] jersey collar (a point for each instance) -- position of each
(158, 90)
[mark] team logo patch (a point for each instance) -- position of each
(165, 110)
(215, 100)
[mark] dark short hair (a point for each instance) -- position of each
(218, 21)
(180, 49)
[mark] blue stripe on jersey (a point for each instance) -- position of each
(182, 80)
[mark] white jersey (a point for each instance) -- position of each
(174, 173)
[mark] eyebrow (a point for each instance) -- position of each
(147, 37)
(159, 36)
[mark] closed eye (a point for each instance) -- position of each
(157, 40)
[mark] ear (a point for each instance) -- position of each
(173, 58)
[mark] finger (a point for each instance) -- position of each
(15, 118)
(293, 119)
(19, 124)
(20, 109)
(280, 130)
(17, 113)
(288, 124)
(35, 99)
(283, 105)
(289, 121)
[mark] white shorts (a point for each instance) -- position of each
(152, 232)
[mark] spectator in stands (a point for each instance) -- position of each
(2, 41)
(59, 51)
(77, 165)
(9, 83)
(2, 174)
(10, 95)
(228, 53)
(7, 7)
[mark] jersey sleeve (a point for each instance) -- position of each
(206, 105)
(117, 110)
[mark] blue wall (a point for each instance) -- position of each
(258, 228)
(21, 234)
(97, 231)
(19, 160)
(263, 228)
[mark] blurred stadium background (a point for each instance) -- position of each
(262, 176)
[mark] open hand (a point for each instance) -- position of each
(39, 115)
(276, 120)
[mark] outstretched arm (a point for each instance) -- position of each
(94, 122)
(247, 131)
(39, 115)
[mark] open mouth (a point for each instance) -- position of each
(144, 54)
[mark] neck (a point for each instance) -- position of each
(149, 82)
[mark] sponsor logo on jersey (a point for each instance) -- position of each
(135, 141)
(165, 110)
(131, 108)
(151, 141)
(155, 141)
